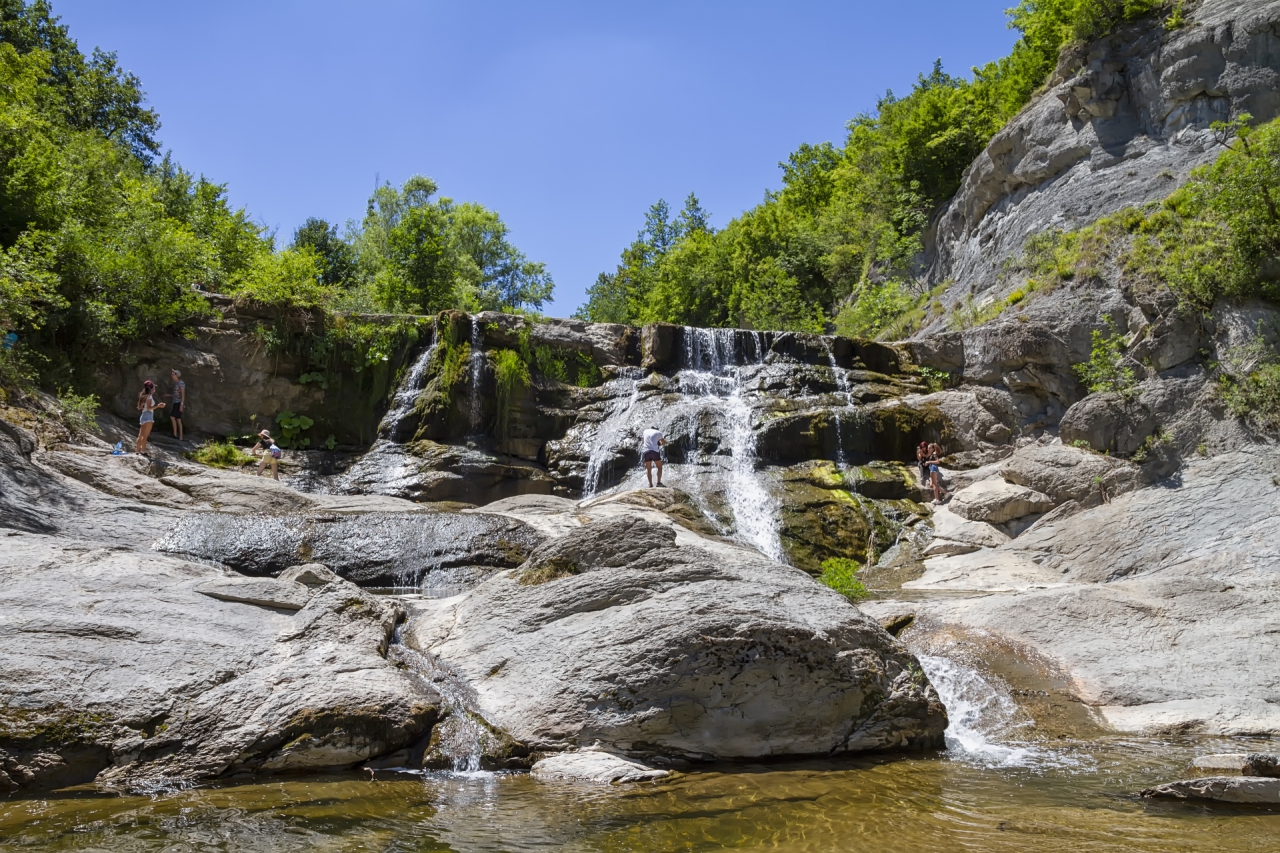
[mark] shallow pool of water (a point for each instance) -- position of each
(1074, 796)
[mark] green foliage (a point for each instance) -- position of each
(102, 245)
(587, 374)
(79, 411)
(218, 454)
(844, 233)
(1219, 234)
(935, 380)
(292, 426)
(839, 574)
(1250, 383)
(1106, 370)
(511, 375)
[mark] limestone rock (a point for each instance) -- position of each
(1261, 764)
(266, 592)
(701, 650)
(953, 534)
(375, 549)
(1108, 422)
(1222, 789)
(595, 766)
(1232, 761)
(1067, 473)
(123, 476)
(996, 502)
(1163, 610)
(114, 669)
(310, 574)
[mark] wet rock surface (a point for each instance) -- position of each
(371, 549)
(1246, 790)
(596, 766)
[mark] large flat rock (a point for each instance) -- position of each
(115, 668)
(621, 635)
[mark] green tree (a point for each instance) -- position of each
(335, 256)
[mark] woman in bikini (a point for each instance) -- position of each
(147, 405)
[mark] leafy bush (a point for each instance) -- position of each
(1250, 383)
(839, 574)
(511, 375)
(219, 454)
(1106, 369)
(79, 412)
(292, 426)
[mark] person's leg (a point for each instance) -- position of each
(659, 463)
(144, 432)
(175, 422)
(275, 474)
(178, 421)
(933, 478)
(263, 464)
(648, 471)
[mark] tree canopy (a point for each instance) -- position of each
(839, 241)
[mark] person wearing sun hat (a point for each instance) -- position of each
(271, 452)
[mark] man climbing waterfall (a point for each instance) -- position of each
(652, 446)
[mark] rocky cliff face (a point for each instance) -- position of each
(1122, 122)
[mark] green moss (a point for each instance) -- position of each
(549, 570)
(511, 376)
(57, 725)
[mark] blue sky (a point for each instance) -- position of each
(569, 119)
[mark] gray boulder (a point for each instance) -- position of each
(595, 766)
(115, 669)
(647, 640)
(1068, 473)
(1108, 422)
(265, 592)
(995, 501)
(1251, 790)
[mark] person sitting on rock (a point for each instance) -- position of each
(653, 444)
(935, 472)
(271, 452)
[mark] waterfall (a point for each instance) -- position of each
(406, 395)
(710, 373)
(842, 385)
(620, 414)
(477, 375)
(463, 735)
(982, 717)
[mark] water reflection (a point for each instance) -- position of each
(931, 803)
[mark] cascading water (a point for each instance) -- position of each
(983, 718)
(477, 376)
(407, 394)
(711, 374)
(619, 417)
(462, 736)
(842, 385)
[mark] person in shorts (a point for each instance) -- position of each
(179, 403)
(147, 405)
(271, 452)
(652, 445)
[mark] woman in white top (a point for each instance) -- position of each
(147, 405)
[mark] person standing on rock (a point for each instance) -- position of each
(179, 402)
(271, 452)
(935, 472)
(147, 405)
(652, 453)
(922, 459)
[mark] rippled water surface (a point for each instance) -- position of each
(1079, 800)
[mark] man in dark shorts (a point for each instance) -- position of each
(179, 403)
(652, 452)
(922, 459)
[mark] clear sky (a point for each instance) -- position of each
(569, 119)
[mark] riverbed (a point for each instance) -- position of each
(1071, 795)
